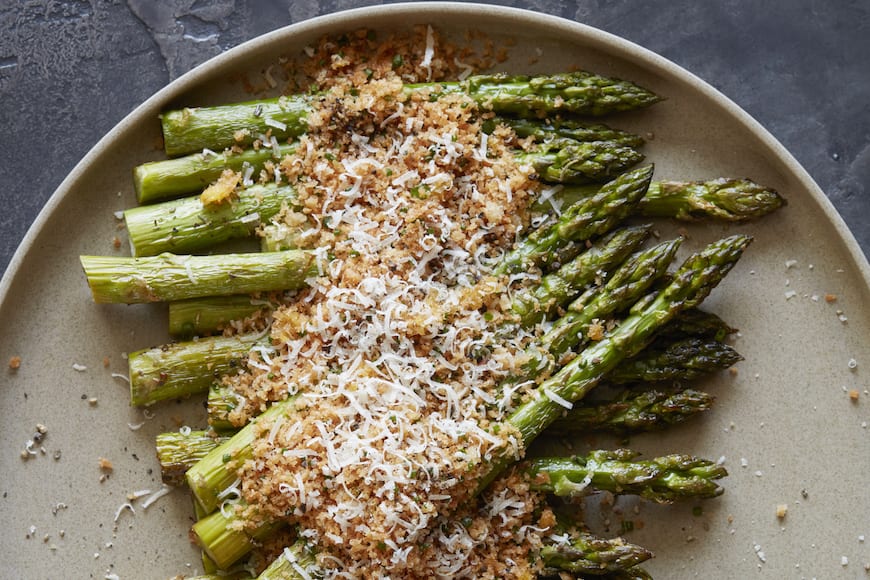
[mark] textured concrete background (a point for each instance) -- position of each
(71, 69)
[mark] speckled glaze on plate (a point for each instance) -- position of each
(784, 423)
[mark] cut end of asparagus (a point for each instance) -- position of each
(168, 277)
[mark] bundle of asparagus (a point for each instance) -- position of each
(592, 272)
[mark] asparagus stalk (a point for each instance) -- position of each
(191, 130)
(580, 92)
(224, 542)
(718, 199)
(723, 199)
(698, 323)
(159, 180)
(296, 562)
(634, 411)
(536, 304)
(685, 359)
(695, 279)
(177, 452)
(201, 316)
(185, 368)
(186, 225)
(593, 556)
(216, 472)
(663, 479)
(169, 277)
(567, 161)
(546, 129)
(623, 288)
(594, 216)
(584, 553)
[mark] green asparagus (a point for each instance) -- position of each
(685, 359)
(159, 180)
(589, 555)
(186, 225)
(535, 304)
(566, 161)
(177, 452)
(545, 129)
(595, 216)
(191, 130)
(663, 479)
(634, 411)
(718, 199)
(168, 277)
(202, 316)
(185, 368)
(695, 279)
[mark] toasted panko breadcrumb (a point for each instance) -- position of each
(395, 353)
(221, 190)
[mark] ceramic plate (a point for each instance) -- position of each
(785, 424)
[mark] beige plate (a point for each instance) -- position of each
(784, 424)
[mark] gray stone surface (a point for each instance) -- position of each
(71, 69)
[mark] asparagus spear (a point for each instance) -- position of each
(177, 452)
(698, 275)
(623, 288)
(159, 180)
(634, 411)
(580, 92)
(191, 130)
(596, 215)
(220, 536)
(185, 368)
(201, 316)
(169, 277)
(590, 555)
(663, 479)
(566, 161)
(545, 129)
(536, 304)
(185, 225)
(720, 199)
(583, 553)
(213, 474)
(685, 359)
(698, 323)
(296, 562)
(723, 199)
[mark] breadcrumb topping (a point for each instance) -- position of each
(394, 355)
